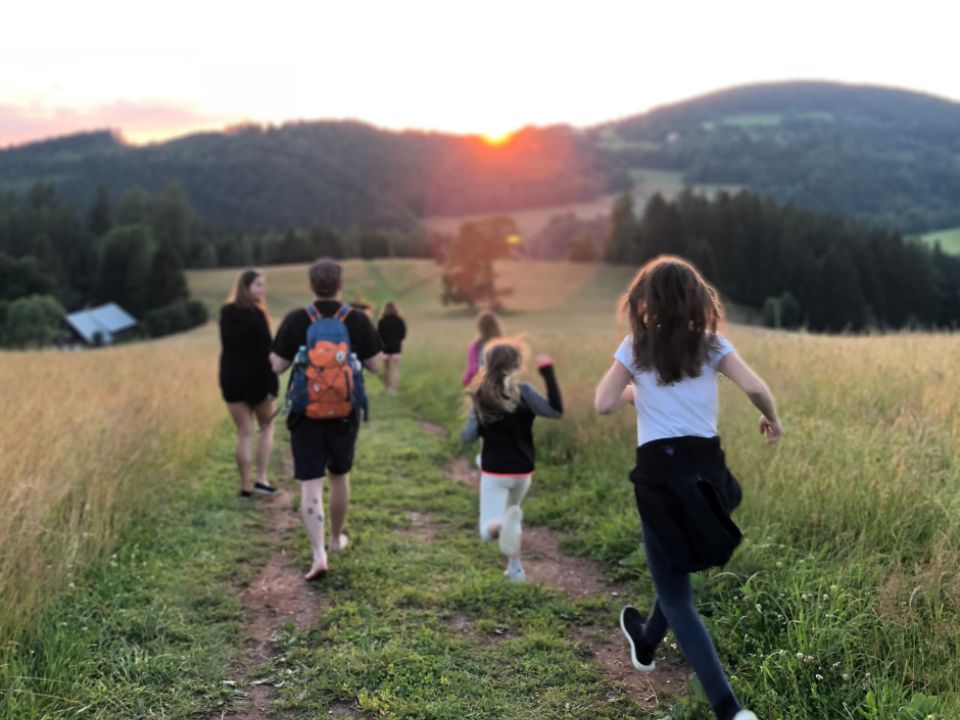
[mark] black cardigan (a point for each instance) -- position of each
(685, 495)
(245, 373)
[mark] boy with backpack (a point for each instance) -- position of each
(328, 343)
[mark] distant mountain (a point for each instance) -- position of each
(323, 173)
(875, 154)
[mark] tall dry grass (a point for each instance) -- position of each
(85, 437)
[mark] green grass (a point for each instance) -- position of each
(949, 239)
(150, 631)
(843, 601)
(430, 629)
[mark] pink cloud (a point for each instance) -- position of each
(138, 121)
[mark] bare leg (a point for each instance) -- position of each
(311, 510)
(264, 413)
(394, 370)
(242, 417)
(339, 501)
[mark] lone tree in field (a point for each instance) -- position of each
(468, 274)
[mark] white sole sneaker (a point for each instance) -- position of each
(642, 667)
(515, 576)
(745, 715)
(511, 531)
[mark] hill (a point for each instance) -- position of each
(874, 154)
(878, 155)
(333, 174)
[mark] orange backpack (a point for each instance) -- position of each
(323, 384)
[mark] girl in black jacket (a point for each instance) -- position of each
(247, 382)
(502, 410)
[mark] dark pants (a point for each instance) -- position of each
(674, 607)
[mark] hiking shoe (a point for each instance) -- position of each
(514, 572)
(264, 489)
(511, 530)
(641, 654)
(745, 715)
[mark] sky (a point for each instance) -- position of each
(158, 70)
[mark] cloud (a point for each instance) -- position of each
(138, 121)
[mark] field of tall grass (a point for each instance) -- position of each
(844, 600)
(86, 437)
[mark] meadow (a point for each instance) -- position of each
(949, 239)
(842, 601)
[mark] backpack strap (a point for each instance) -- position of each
(343, 312)
(313, 312)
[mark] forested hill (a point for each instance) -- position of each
(874, 154)
(333, 174)
(877, 155)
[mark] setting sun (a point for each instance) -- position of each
(497, 138)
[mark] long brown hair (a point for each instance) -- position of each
(495, 389)
(242, 297)
(674, 314)
(390, 309)
(488, 326)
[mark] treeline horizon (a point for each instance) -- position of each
(799, 268)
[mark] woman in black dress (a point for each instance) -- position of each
(392, 331)
(247, 382)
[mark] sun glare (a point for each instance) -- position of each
(496, 138)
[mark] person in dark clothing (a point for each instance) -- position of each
(502, 411)
(667, 370)
(247, 382)
(392, 330)
(322, 447)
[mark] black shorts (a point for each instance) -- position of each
(322, 446)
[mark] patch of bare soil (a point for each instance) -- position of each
(462, 472)
(422, 527)
(278, 594)
(611, 652)
(433, 429)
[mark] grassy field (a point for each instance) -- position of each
(646, 182)
(841, 603)
(949, 239)
(847, 586)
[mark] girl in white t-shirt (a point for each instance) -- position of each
(666, 368)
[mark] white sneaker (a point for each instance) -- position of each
(745, 715)
(514, 572)
(511, 530)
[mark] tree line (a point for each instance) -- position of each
(802, 269)
(133, 251)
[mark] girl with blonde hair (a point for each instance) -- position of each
(502, 409)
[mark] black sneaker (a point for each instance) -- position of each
(245, 494)
(641, 654)
(259, 487)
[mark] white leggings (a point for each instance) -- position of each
(497, 493)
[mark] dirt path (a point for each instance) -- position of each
(581, 578)
(277, 595)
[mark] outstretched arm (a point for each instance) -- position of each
(756, 389)
(614, 390)
(471, 431)
(550, 406)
